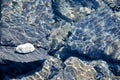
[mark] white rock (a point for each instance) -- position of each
(25, 48)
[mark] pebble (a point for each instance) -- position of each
(25, 48)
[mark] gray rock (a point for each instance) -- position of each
(22, 22)
(94, 34)
(25, 21)
(8, 53)
(51, 68)
(73, 10)
(73, 31)
(102, 69)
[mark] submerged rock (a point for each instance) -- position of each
(25, 21)
(73, 68)
(73, 10)
(113, 4)
(77, 70)
(93, 35)
(69, 38)
(102, 69)
(51, 68)
(22, 22)
(25, 48)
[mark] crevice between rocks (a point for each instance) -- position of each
(67, 53)
(58, 14)
(11, 69)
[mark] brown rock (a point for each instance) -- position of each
(79, 70)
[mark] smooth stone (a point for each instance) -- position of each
(25, 48)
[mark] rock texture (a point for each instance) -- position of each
(69, 40)
(54, 69)
(77, 70)
(22, 22)
(51, 67)
(97, 35)
(102, 69)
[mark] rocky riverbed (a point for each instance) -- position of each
(60, 40)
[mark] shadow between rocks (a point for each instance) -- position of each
(114, 65)
(67, 52)
(92, 55)
(11, 69)
(58, 14)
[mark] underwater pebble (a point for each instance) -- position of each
(25, 48)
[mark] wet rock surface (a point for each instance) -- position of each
(72, 40)
(76, 69)
(94, 34)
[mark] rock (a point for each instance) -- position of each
(118, 15)
(8, 53)
(51, 68)
(115, 69)
(113, 4)
(93, 35)
(77, 69)
(59, 34)
(113, 48)
(85, 10)
(73, 10)
(25, 48)
(73, 40)
(102, 69)
(24, 21)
